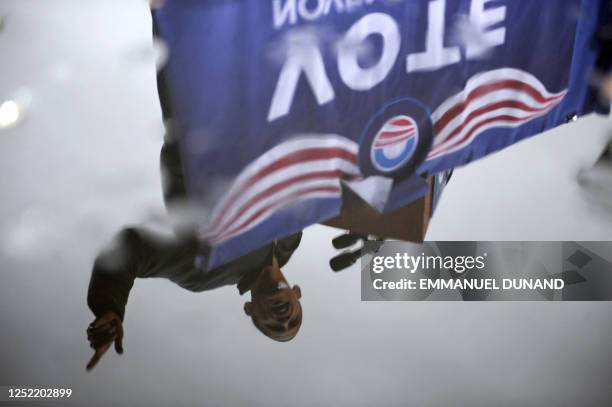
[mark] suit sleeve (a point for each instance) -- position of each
(285, 248)
(138, 253)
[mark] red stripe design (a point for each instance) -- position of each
(297, 170)
(401, 122)
(486, 89)
(397, 140)
(485, 109)
(391, 134)
(514, 100)
(300, 156)
(501, 118)
(291, 198)
(320, 175)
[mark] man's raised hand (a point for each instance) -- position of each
(101, 333)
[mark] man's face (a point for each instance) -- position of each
(275, 306)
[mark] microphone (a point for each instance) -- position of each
(344, 260)
(344, 241)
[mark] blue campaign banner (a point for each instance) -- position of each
(282, 102)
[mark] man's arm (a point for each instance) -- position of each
(137, 253)
(134, 253)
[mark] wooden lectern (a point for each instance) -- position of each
(407, 223)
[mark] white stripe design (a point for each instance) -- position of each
(501, 98)
(296, 170)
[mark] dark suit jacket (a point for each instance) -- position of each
(140, 253)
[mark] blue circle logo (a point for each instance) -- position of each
(395, 143)
(396, 139)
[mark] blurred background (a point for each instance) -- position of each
(80, 133)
